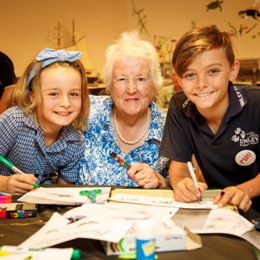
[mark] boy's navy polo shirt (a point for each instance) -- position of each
(229, 157)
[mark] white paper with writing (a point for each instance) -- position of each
(226, 222)
(161, 201)
(64, 196)
(100, 228)
(108, 222)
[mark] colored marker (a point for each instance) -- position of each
(193, 176)
(16, 251)
(9, 165)
(6, 199)
(121, 161)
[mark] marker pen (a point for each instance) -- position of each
(6, 199)
(193, 176)
(9, 165)
(121, 161)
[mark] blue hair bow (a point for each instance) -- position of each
(49, 56)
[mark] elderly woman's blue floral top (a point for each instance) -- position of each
(98, 167)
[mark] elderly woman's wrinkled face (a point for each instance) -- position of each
(132, 89)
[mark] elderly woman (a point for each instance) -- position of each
(125, 128)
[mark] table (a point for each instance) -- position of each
(15, 231)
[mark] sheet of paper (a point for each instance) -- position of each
(98, 227)
(108, 222)
(119, 210)
(161, 201)
(64, 196)
(226, 222)
(219, 221)
(21, 253)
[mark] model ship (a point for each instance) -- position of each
(76, 43)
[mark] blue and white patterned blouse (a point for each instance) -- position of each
(23, 144)
(98, 167)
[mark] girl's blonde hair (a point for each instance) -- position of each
(21, 93)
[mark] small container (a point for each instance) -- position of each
(145, 240)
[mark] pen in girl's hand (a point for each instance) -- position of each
(193, 176)
(14, 169)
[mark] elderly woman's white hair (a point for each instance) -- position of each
(130, 45)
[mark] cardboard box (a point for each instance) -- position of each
(18, 210)
(168, 237)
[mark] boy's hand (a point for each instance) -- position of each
(233, 196)
(186, 191)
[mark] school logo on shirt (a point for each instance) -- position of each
(244, 138)
(245, 157)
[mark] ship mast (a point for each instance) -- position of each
(73, 32)
(58, 39)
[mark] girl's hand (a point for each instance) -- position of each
(233, 196)
(20, 184)
(186, 191)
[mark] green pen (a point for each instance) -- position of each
(9, 165)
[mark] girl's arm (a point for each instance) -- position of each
(17, 183)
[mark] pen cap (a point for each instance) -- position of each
(76, 254)
(144, 229)
(145, 240)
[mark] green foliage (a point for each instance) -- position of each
(142, 19)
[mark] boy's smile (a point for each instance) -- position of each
(206, 80)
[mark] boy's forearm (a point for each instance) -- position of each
(177, 172)
(251, 187)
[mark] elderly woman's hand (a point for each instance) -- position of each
(145, 176)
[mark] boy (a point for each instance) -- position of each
(214, 119)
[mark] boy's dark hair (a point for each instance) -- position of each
(197, 41)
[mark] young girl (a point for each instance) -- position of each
(41, 131)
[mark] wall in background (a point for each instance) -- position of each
(28, 26)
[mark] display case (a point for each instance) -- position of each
(166, 69)
(249, 72)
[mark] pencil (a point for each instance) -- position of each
(193, 176)
(9, 165)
